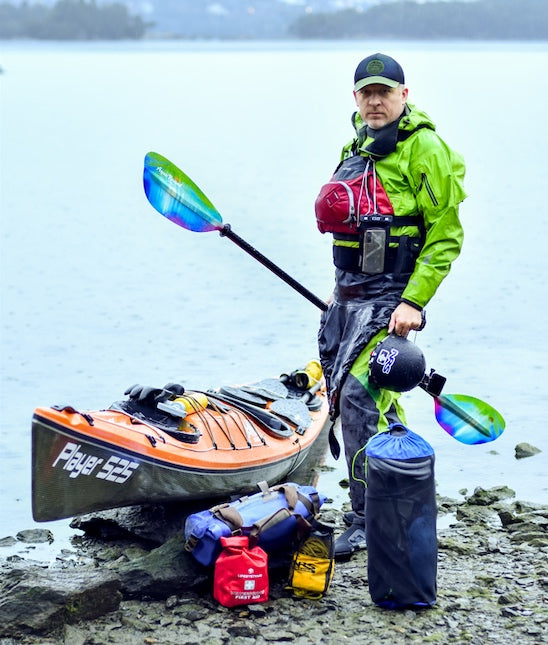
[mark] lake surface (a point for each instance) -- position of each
(99, 292)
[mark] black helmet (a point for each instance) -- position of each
(396, 364)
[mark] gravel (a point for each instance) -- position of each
(492, 588)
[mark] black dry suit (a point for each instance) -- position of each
(409, 185)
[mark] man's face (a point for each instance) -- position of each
(379, 105)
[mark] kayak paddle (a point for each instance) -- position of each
(177, 197)
(465, 418)
(173, 194)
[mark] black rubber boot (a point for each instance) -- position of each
(352, 517)
(353, 539)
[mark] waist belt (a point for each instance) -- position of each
(399, 258)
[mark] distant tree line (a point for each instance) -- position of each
(70, 20)
(481, 20)
(401, 19)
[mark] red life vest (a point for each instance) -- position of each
(353, 191)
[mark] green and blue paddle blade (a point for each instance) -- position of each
(176, 196)
(467, 419)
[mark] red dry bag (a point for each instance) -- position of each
(241, 573)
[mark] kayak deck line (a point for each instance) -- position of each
(206, 468)
(164, 448)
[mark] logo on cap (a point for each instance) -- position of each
(375, 67)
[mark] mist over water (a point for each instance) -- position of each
(100, 292)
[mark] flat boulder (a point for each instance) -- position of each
(169, 569)
(34, 599)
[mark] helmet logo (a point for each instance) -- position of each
(396, 364)
(386, 358)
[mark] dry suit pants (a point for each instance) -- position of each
(364, 411)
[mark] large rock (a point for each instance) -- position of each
(524, 450)
(165, 571)
(38, 600)
(155, 523)
(486, 497)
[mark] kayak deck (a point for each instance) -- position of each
(88, 461)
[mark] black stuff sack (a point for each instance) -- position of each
(313, 562)
(272, 516)
(400, 519)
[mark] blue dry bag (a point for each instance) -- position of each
(272, 516)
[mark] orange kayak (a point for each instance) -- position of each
(167, 444)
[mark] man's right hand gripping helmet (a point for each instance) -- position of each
(396, 364)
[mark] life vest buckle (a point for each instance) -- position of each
(375, 219)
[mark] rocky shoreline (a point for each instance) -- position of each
(129, 580)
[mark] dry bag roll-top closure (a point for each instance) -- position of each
(401, 519)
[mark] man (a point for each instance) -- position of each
(392, 206)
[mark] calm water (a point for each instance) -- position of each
(100, 292)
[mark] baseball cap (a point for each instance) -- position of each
(378, 68)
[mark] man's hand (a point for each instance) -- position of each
(404, 318)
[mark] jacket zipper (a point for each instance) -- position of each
(426, 184)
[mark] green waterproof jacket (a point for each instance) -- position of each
(422, 176)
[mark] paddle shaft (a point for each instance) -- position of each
(227, 231)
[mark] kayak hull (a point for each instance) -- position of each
(91, 461)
